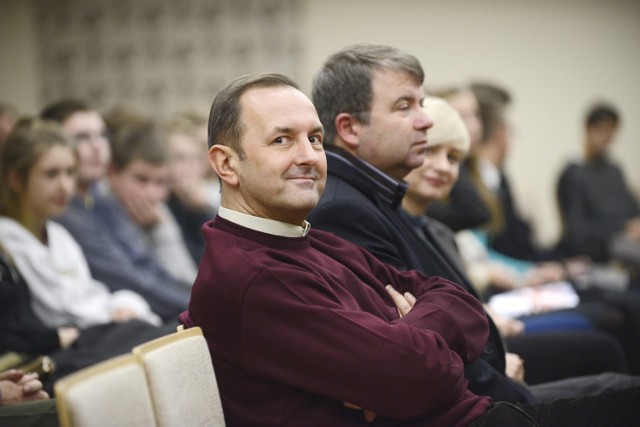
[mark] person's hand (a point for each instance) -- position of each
(404, 302)
(67, 335)
(546, 272)
(144, 206)
(507, 326)
(502, 278)
(577, 266)
(515, 367)
(123, 314)
(144, 212)
(18, 387)
(368, 415)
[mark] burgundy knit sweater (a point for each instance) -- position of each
(297, 326)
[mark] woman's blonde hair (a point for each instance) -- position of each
(447, 127)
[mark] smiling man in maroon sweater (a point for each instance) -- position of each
(300, 324)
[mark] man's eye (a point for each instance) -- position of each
(315, 139)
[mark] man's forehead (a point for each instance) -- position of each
(263, 103)
(260, 96)
(388, 82)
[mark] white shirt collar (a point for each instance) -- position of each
(264, 225)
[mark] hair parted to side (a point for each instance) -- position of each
(601, 112)
(493, 101)
(188, 122)
(344, 84)
(28, 141)
(59, 111)
(225, 126)
(144, 144)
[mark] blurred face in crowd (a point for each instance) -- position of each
(467, 106)
(89, 132)
(435, 178)
(50, 183)
(395, 138)
(140, 181)
(186, 156)
(600, 136)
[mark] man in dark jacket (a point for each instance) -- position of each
(369, 99)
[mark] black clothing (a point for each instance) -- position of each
(362, 205)
(595, 202)
(190, 222)
(515, 238)
(22, 331)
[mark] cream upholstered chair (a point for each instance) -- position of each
(110, 393)
(181, 379)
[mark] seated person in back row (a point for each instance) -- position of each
(119, 263)
(305, 328)
(600, 214)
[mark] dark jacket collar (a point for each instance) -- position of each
(364, 176)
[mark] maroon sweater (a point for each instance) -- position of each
(297, 326)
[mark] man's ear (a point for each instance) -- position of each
(347, 129)
(223, 160)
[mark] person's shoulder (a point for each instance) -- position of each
(573, 169)
(440, 227)
(338, 189)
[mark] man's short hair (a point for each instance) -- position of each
(225, 126)
(59, 111)
(601, 112)
(493, 101)
(144, 144)
(344, 84)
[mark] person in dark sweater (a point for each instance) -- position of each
(305, 328)
(600, 214)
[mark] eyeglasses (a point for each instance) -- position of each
(82, 137)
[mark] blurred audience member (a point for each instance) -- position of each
(118, 256)
(600, 215)
(138, 183)
(190, 200)
(38, 165)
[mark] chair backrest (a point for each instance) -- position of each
(181, 379)
(111, 393)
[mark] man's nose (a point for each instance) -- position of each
(306, 153)
(424, 120)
